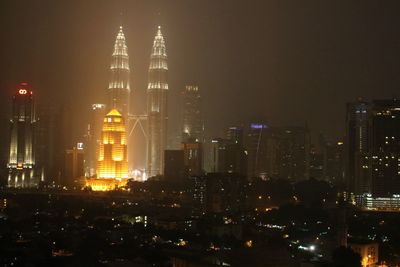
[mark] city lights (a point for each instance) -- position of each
(267, 135)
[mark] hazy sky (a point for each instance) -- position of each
(287, 61)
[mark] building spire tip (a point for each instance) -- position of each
(159, 31)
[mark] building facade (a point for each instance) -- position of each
(334, 162)
(368, 251)
(174, 166)
(384, 151)
(373, 148)
(112, 164)
(74, 167)
(157, 106)
(21, 161)
(256, 143)
(93, 138)
(228, 156)
(356, 142)
(193, 157)
(278, 152)
(118, 92)
(192, 117)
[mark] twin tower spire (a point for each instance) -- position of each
(118, 95)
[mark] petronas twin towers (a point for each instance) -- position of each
(118, 95)
(118, 92)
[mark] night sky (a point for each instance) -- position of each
(290, 62)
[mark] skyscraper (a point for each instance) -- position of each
(46, 141)
(112, 165)
(118, 88)
(174, 166)
(192, 124)
(256, 143)
(157, 92)
(193, 157)
(93, 138)
(292, 154)
(236, 154)
(74, 166)
(21, 162)
(53, 135)
(384, 156)
(228, 155)
(278, 152)
(334, 162)
(357, 125)
(374, 154)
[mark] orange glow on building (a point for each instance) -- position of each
(22, 91)
(112, 164)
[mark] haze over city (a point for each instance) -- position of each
(283, 55)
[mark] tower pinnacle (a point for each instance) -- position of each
(119, 87)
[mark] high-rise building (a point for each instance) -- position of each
(46, 141)
(235, 135)
(118, 88)
(334, 162)
(356, 142)
(373, 153)
(21, 161)
(174, 166)
(112, 165)
(292, 156)
(193, 125)
(224, 192)
(316, 166)
(218, 155)
(384, 151)
(74, 167)
(199, 195)
(236, 154)
(256, 143)
(280, 152)
(93, 138)
(118, 92)
(228, 155)
(193, 156)
(157, 92)
(53, 136)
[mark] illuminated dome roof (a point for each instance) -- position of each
(114, 112)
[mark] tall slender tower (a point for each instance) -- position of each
(157, 92)
(118, 92)
(21, 160)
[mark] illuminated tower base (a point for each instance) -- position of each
(112, 164)
(21, 178)
(105, 184)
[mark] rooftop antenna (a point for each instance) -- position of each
(120, 18)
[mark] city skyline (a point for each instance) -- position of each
(322, 64)
(199, 133)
